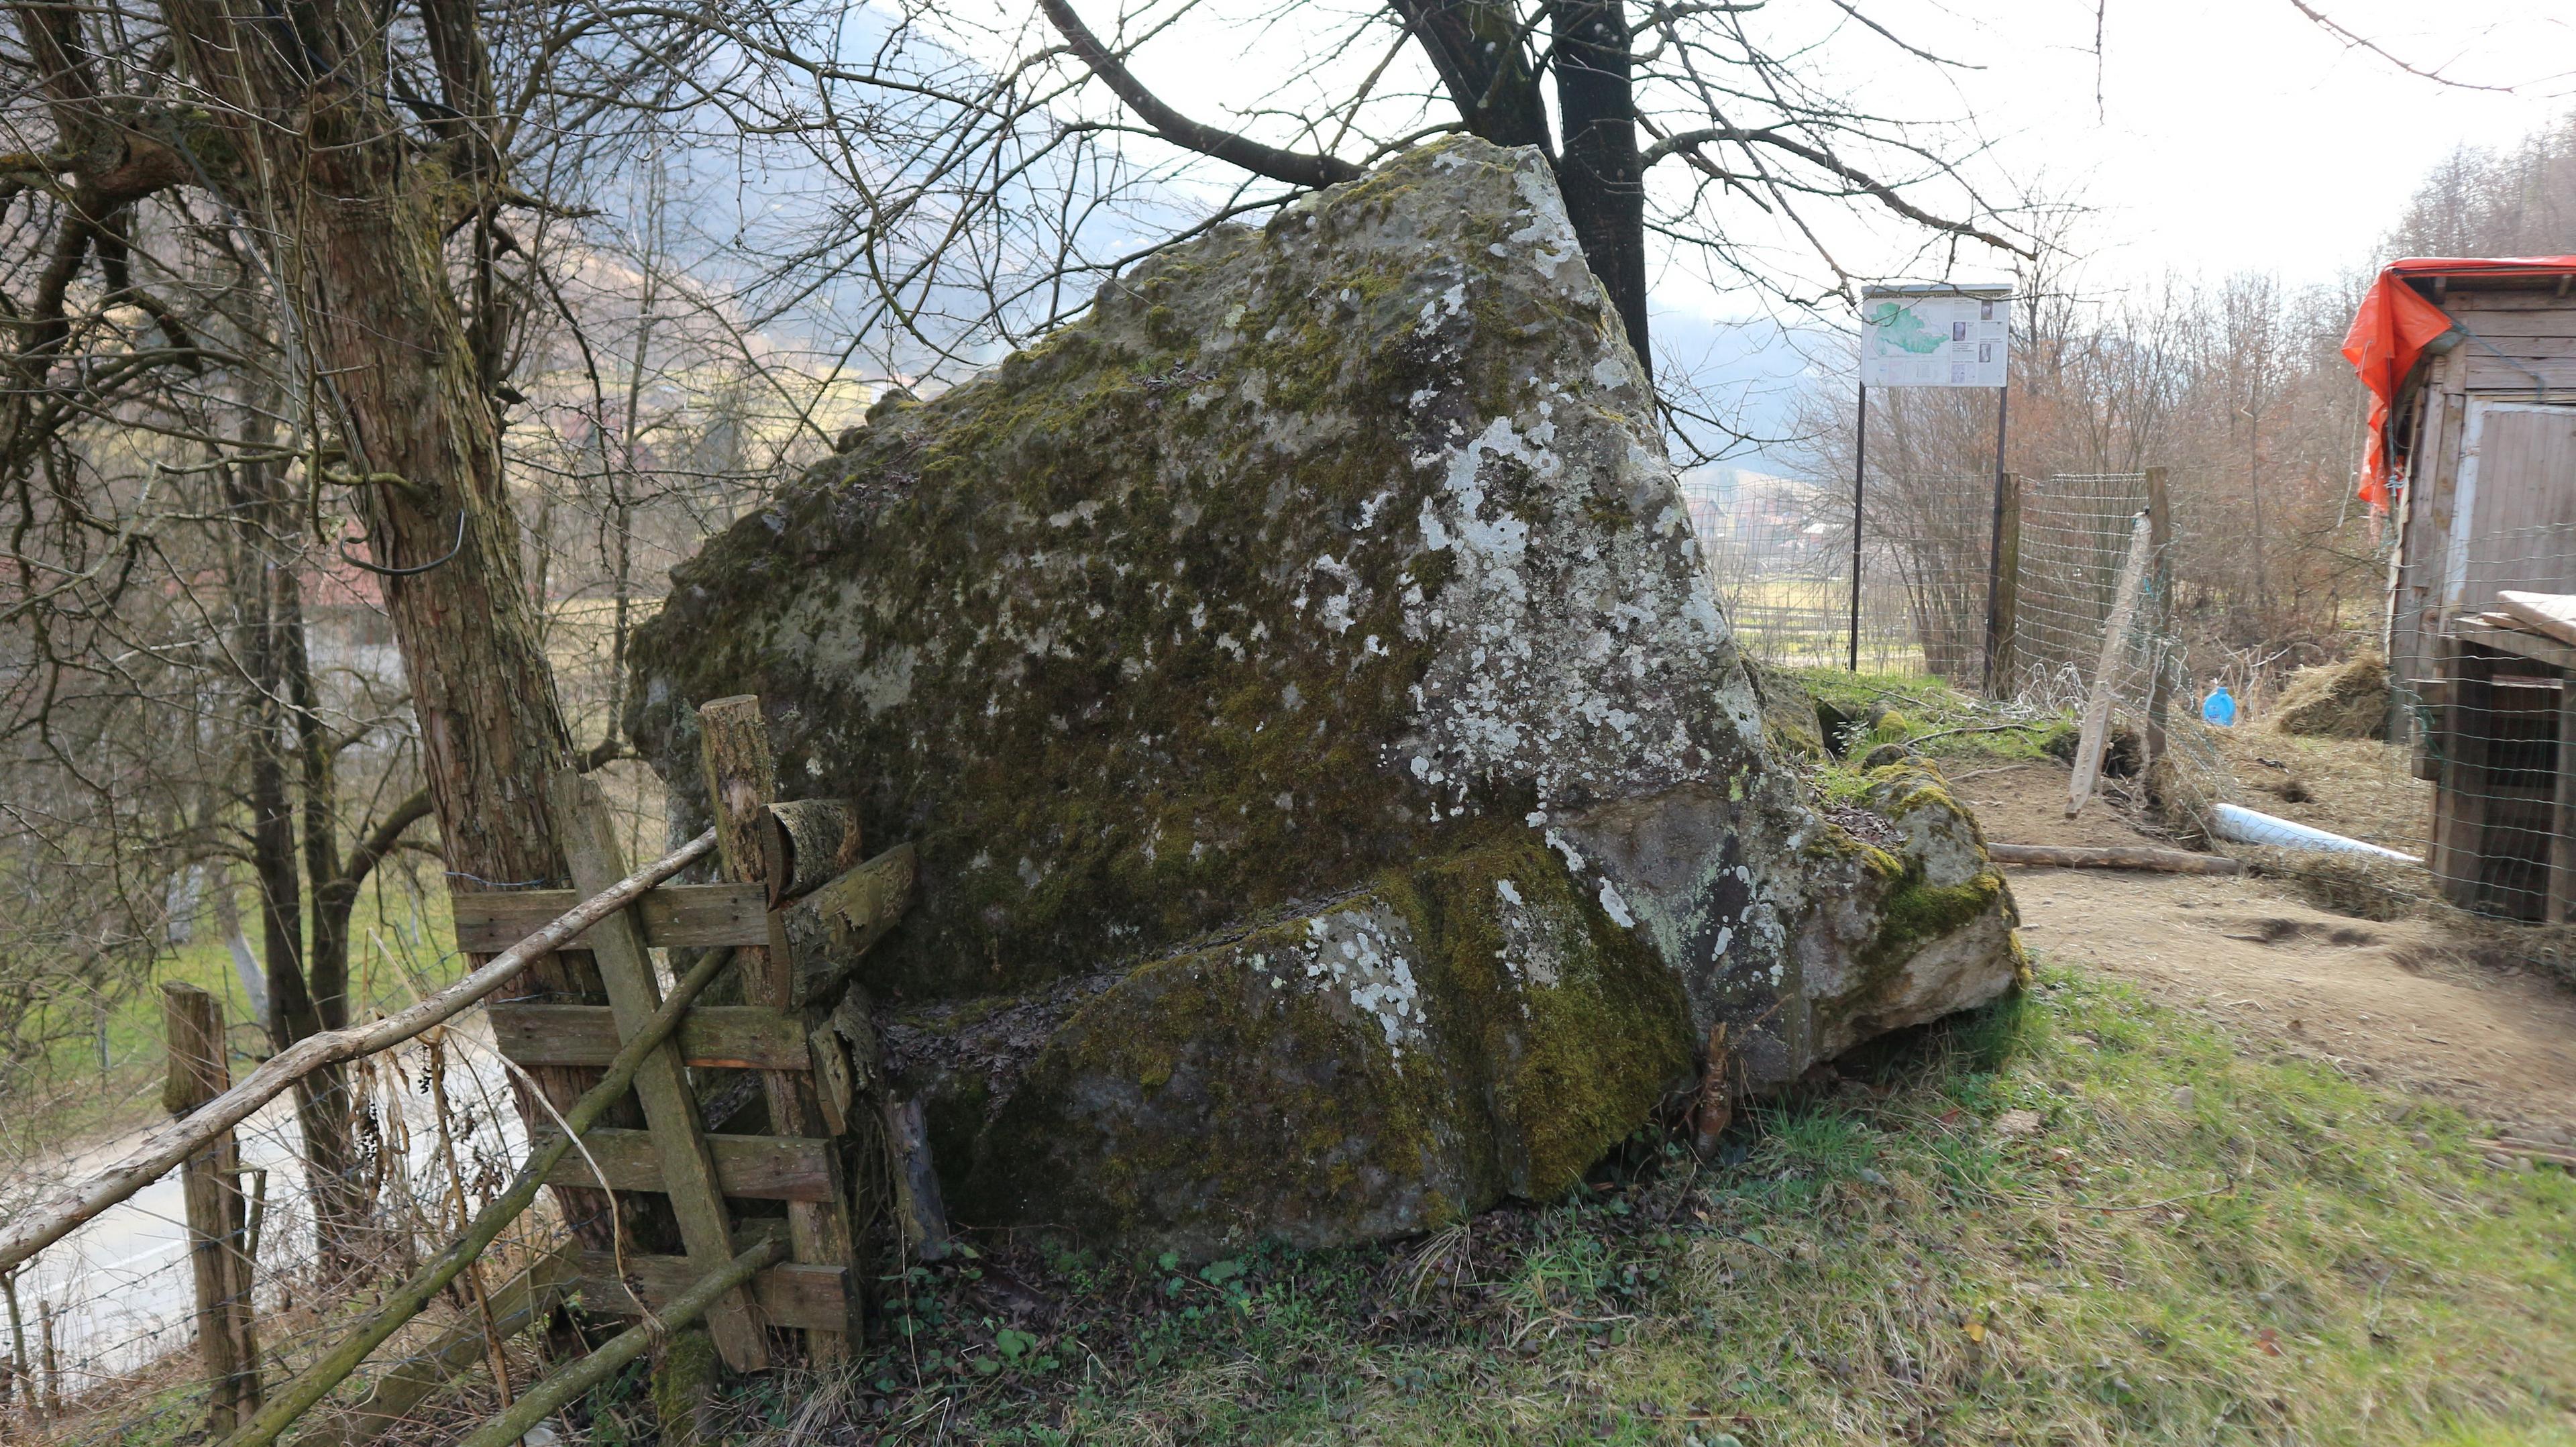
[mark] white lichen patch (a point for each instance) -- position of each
(1360, 955)
(1530, 954)
(887, 680)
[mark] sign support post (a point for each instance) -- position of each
(1995, 681)
(1860, 470)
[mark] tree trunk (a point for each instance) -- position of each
(1602, 175)
(1482, 55)
(269, 597)
(1481, 51)
(356, 212)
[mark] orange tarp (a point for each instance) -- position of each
(2392, 329)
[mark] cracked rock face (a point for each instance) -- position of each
(1308, 652)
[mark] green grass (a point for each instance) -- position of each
(2194, 1246)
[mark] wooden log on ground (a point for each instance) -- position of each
(61, 1213)
(2113, 856)
(218, 1224)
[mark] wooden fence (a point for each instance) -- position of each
(776, 1228)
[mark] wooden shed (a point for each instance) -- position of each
(2472, 367)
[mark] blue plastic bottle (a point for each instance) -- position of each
(2220, 708)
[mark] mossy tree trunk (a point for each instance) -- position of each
(355, 209)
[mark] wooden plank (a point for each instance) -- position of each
(2531, 296)
(733, 1037)
(676, 916)
(2551, 613)
(2097, 707)
(2500, 323)
(685, 1169)
(747, 1167)
(2519, 643)
(2490, 373)
(798, 1295)
(742, 779)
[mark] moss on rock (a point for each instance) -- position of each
(1337, 560)
(1461, 1032)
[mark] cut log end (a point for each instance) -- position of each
(805, 844)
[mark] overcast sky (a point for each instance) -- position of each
(2235, 134)
(2228, 134)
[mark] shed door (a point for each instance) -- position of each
(2516, 522)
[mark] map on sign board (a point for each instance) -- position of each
(1933, 338)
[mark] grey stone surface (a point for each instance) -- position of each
(1313, 565)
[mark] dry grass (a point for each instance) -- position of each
(2073, 1219)
(2347, 700)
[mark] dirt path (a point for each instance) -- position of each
(2404, 1003)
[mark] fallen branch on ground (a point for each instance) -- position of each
(556, 1392)
(2113, 856)
(1982, 729)
(164, 1149)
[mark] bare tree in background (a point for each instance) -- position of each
(1689, 86)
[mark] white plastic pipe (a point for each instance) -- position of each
(2250, 826)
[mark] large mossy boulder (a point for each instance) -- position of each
(1340, 802)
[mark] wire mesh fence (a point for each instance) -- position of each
(2075, 533)
(2484, 645)
(109, 1336)
(1780, 552)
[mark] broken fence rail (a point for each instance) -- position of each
(408, 1300)
(164, 1149)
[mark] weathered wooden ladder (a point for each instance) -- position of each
(796, 910)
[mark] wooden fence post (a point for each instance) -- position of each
(742, 780)
(2159, 610)
(53, 1404)
(2003, 586)
(218, 1228)
(18, 1377)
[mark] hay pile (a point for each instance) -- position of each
(2347, 700)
